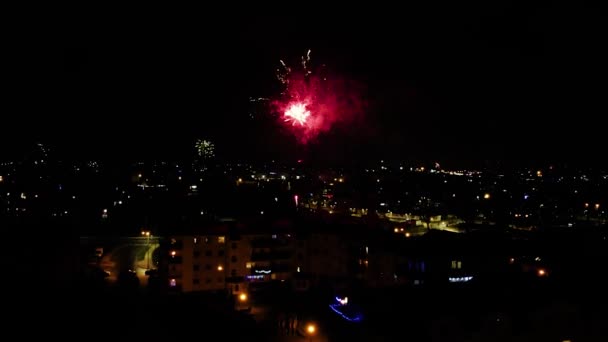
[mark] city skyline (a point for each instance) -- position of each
(424, 172)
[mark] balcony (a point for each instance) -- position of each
(269, 243)
(175, 260)
(235, 279)
(272, 268)
(268, 256)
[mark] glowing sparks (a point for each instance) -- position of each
(297, 113)
(205, 149)
(305, 61)
(312, 101)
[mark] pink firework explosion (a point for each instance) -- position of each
(297, 113)
(314, 102)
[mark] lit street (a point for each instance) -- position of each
(127, 253)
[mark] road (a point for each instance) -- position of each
(126, 253)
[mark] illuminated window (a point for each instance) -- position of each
(248, 265)
(195, 241)
(172, 282)
(221, 239)
(456, 264)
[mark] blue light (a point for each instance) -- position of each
(342, 301)
(357, 318)
(254, 277)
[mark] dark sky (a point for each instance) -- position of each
(455, 83)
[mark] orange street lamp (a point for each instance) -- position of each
(311, 329)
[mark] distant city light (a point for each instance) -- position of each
(486, 196)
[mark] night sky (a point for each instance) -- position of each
(456, 84)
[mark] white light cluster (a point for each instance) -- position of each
(459, 279)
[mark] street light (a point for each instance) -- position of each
(147, 234)
(243, 297)
(311, 329)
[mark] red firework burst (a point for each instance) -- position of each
(312, 102)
